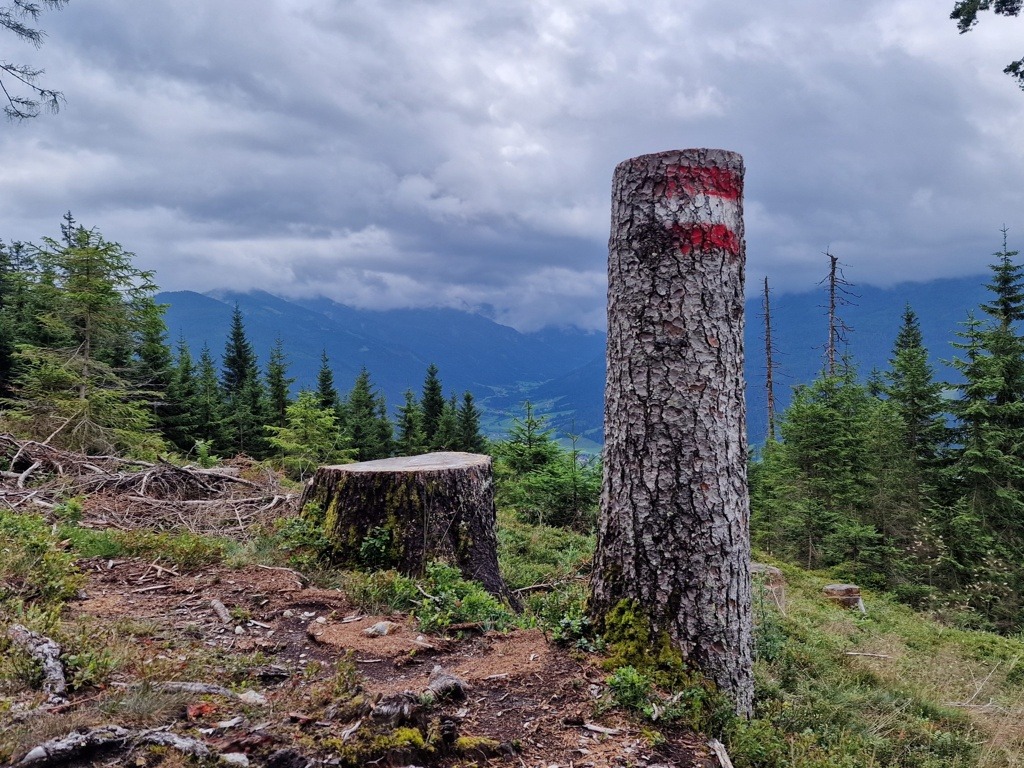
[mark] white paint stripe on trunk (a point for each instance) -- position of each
(699, 209)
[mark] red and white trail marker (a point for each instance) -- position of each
(701, 206)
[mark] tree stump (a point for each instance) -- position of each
(402, 512)
(846, 595)
(673, 536)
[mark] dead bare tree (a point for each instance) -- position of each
(769, 359)
(839, 294)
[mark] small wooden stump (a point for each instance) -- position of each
(772, 580)
(402, 512)
(846, 595)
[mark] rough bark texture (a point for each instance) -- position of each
(47, 653)
(674, 527)
(82, 744)
(402, 512)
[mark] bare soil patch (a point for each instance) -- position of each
(536, 703)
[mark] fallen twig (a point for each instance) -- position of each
(534, 588)
(246, 697)
(601, 729)
(150, 589)
(872, 655)
(719, 749)
(65, 749)
(47, 653)
(221, 610)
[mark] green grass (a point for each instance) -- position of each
(893, 687)
(184, 549)
(889, 688)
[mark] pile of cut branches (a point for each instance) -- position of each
(130, 493)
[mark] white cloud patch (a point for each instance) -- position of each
(406, 154)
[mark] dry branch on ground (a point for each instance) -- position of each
(129, 493)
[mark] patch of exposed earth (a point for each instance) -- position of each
(286, 641)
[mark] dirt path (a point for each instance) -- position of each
(298, 647)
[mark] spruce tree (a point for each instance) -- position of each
(76, 389)
(19, 308)
(410, 440)
(278, 385)
(468, 427)
(446, 437)
(310, 437)
(981, 527)
(180, 423)
(990, 412)
(911, 386)
(238, 363)
(244, 393)
(837, 490)
(530, 445)
(432, 402)
(367, 426)
(208, 405)
(325, 388)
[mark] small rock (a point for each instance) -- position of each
(234, 758)
(380, 629)
(401, 709)
(239, 630)
(252, 697)
(321, 619)
(444, 685)
(36, 755)
(288, 613)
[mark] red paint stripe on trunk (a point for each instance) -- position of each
(692, 179)
(704, 237)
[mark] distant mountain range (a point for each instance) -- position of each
(560, 370)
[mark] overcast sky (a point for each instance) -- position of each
(460, 152)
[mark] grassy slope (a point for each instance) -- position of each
(889, 687)
(835, 688)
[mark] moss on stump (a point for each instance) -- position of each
(403, 512)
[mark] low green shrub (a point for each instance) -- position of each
(452, 599)
(34, 566)
(300, 540)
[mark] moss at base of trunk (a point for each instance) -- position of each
(397, 746)
(631, 640)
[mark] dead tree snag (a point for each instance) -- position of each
(673, 537)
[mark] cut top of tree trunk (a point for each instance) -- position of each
(403, 512)
(427, 462)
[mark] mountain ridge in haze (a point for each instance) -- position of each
(561, 370)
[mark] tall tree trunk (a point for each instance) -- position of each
(769, 360)
(833, 318)
(673, 538)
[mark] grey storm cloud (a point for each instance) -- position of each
(460, 154)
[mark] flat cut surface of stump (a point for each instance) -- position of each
(423, 463)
